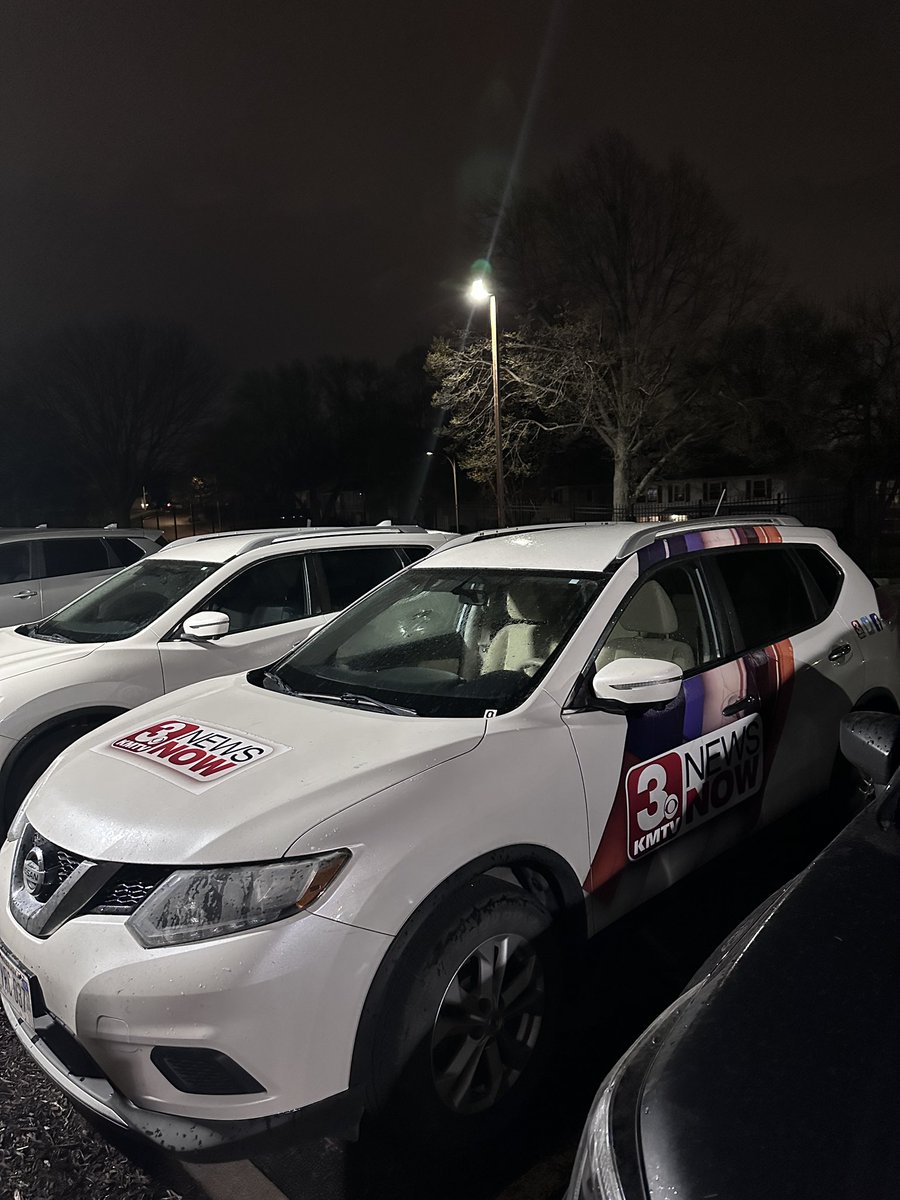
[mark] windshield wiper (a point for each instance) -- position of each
(275, 683)
(35, 632)
(357, 701)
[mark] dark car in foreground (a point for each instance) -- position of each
(775, 1074)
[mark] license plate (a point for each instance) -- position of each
(15, 988)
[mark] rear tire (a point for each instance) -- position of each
(469, 1018)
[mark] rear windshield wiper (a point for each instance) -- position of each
(274, 683)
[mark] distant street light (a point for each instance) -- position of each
(478, 293)
(452, 462)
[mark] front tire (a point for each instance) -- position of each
(469, 1017)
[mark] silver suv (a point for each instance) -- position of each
(43, 569)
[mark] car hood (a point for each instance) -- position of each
(20, 654)
(780, 1077)
(226, 772)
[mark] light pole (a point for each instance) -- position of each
(478, 293)
(452, 462)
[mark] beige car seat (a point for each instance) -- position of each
(536, 613)
(645, 630)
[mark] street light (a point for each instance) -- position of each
(452, 462)
(478, 293)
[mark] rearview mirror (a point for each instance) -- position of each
(871, 741)
(205, 625)
(638, 681)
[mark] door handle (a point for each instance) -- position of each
(24, 595)
(737, 706)
(838, 653)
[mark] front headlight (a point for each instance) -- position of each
(607, 1166)
(190, 906)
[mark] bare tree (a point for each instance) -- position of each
(870, 420)
(788, 382)
(619, 274)
(129, 399)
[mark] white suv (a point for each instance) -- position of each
(202, 607)
(350, 881)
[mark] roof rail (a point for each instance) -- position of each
(271, 537)
(484, 535)
(349, 530)
(226, 533)
(653, 532)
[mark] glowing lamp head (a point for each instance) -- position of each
(479, 292)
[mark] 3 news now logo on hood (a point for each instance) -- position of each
(193, 756)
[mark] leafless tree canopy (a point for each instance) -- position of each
(129, 398)
(618, 274)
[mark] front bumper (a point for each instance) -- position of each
(283, 1002)
(195, 1140)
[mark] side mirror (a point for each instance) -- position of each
(205, 625)
(871, 741)
(638, 681)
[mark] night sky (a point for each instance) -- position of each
(291, 178)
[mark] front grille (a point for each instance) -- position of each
(101, 887)
(66, 862)
(127, 890)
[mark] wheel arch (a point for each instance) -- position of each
(878, 699)
(92, 715)
(537, 870)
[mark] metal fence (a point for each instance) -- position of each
(830, 510)
(867, 530)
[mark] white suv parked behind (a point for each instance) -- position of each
(202, 607)
(349, 881)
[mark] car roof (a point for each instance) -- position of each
(30, 534)
(586, 546)
(221, 547)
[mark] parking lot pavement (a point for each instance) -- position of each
(232, 1181)
(633, 971)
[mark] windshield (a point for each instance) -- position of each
(125, 603)
(442, 643)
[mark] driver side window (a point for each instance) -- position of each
(268, 593)
(666, 618)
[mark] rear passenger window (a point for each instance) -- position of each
(767, 593)
(74, 556)
(15, 563)
(826, 577)
(124, 551)
(349, 574)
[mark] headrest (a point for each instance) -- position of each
(533, 600)
(650, 611)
